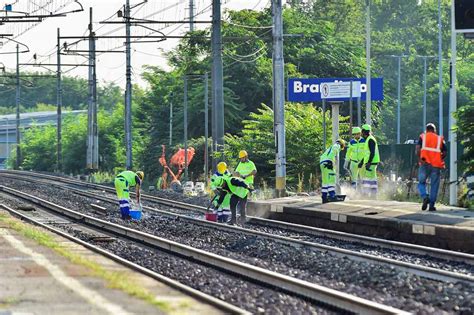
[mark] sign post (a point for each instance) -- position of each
(324, 124)
(309, 89)
(335, 136)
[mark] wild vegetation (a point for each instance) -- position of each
(324, 39)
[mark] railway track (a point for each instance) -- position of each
(71, 186)
(50, 222)
(303, 237)
(289, 285)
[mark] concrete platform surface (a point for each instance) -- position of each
(449, 227)
(35, 279)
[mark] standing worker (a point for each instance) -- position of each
(123, 182)
(431, 150)
(327, 163)
(238, 191)
(354, 155)
(370, 162)
(246, 169)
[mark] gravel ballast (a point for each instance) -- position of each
(382, 284)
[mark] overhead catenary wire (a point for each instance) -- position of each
(249, 26)
(162, 10)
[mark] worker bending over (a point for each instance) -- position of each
(370, 162)
(123, 182)
(327, 163)
(237, 189)
(431, 150)
(245, 169)
(221, 201)
(354, 155)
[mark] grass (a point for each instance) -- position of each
(8, 302)
(102, 178)
(114, 280)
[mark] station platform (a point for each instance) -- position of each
(448, 228)
(35, 279)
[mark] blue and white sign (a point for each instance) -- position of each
(309, 89)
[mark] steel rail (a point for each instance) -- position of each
(423, 271)
(203, 297)
(312, 231)
(285, 283)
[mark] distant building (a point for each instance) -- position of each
(27, 120)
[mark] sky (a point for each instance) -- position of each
(42, 39)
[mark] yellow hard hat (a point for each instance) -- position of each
(366, 127)
(356, 130)
(140, 175)
(221, 167)
(243, 154)
(342, 142)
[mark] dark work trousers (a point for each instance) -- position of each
(241, 203)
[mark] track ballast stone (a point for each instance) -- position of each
(382, 284)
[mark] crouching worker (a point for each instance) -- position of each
(327, 163)
(221, 201)
(123, 182)
(238, 191)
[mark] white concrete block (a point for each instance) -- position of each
(417, 229)
(334, 217)
(276, 208)
(343, 218)
(429, 229)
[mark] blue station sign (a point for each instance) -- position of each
(309, 89)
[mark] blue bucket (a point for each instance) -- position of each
(136, 214)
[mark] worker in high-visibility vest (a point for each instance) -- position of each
(221, 201)
(431, 150)
(354, 155)
(246, 169)
(238, 191)
(370, 162)
(327, 163)
(123, 182)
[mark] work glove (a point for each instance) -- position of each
(329, 165)
(347, 172)
(361, 164)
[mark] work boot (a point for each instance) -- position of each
(432, 208)
(426, 200)
(325, 200)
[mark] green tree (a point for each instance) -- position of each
(304, 140)
(38, 149)
(465, 133)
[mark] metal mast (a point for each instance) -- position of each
(368, 108)
(59, 102)
(128, 88)
(17, 101)
(217, 77)
(279, 98)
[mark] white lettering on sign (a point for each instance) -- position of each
(299, 87)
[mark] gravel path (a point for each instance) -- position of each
(378, 283)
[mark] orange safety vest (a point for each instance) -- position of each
(431, 149)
